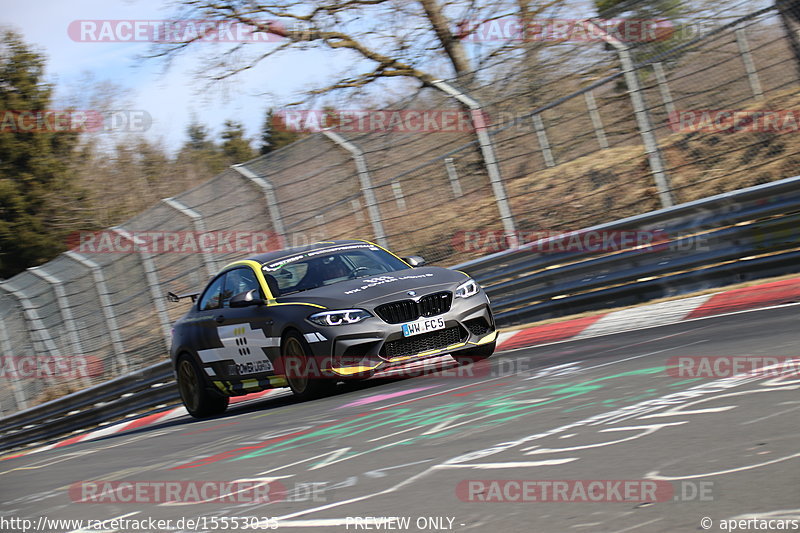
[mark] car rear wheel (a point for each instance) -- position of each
(198, 400)
(473, 355)
(302, 375)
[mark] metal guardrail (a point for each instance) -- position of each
(708, 213)
(705, 245)
(118, 397)
(731, 237)
(557, 287)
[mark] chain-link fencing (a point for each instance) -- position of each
(562, 134)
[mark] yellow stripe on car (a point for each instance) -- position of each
(251, 384)
(221, 385)
(427, 353)
(385, 250)
(278, 381)
(298, 303)
(256, 267)
(350, 370)
(487, 339)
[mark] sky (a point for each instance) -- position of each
(172, 96)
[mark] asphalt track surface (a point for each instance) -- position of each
(426, 449)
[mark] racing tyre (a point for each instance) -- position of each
(473, 355)
(303, 377)
(195, 395)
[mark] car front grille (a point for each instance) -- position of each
(408, 310)
(435, 340)
(397, 312)
(435, 304)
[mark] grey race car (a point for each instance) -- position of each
(312, 316)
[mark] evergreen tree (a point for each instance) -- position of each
(201, 151)
(199, 137)
(235, 147)
(37, 195)
(275, 134)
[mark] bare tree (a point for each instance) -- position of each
(413, 39)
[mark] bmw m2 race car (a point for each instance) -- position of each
(309, 317)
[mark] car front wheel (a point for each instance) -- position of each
(303, 376)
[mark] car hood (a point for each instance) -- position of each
(375, 290)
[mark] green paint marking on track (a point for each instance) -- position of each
(493, 411)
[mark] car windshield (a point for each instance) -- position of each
(316, 268)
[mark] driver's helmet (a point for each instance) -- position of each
(334, 267)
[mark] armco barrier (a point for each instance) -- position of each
(118, 397)
(702, 239)
(719, 248)
(746, 234)
(708, 213)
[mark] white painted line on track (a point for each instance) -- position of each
(512, 464)
(573, 339)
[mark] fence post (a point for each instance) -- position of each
(269, 195)
(199, 226)
(640, 110)
(399, 198)
(489, 158)
(366, 185)
(66, 312)
(34, 323)
(452, 175)
(663, 88)
(790, 18)
(544, 142)
(319, 220)
(597, 121)
(151, 276)
(355, 205)
(5, 345)
(749, 64)
(33, 319)
(106, 307)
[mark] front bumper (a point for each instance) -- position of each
(361, 349)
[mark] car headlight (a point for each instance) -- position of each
(338, 318)
(467, 289)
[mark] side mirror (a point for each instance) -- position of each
(414, 260)
(246, 299)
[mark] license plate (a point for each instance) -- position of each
(422, 326)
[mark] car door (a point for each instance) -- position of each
(204, 336)
(245, 332)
